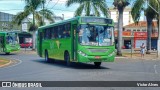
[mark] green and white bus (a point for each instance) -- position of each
(80, 39)
(9, 42)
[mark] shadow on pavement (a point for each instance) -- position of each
(73, 65)
(8, 54)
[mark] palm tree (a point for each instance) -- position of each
(89, 7)
(120, 5)
(31, 8)
(150, 14)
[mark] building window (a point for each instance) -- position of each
(134, 30)
(144, 30)
(138, 30)
(128, 30)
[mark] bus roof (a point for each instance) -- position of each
(64, 21)
(4, 32)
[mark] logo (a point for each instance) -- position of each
(58, 43)
(6, 84)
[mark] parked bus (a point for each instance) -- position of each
(80, 39)
(25, 40)
(9, 42)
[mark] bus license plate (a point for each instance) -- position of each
(97, 57)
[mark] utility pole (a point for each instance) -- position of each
(63, 16)
(43, 11)
(158, 45)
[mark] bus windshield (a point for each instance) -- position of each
(96, 35)
(12, 38)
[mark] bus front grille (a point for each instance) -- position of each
(97, 50)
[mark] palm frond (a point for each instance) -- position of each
(32, 27)
(103, 8)
(47, 14)
(70, 2)
(39, 19)
(87, 8)
(121, 4)
(20, 17)
(97, 13)
(137, 9)
(34, 3)
(79, 10)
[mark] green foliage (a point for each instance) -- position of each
(138, 7)
(89, 6)
(33, 27)
(121, 4)
(31, 8)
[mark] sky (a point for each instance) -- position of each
(57, 6)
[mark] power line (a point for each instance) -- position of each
(151, 7)
(55, 4)
(48, 3)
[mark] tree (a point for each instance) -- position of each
(31, 8)
(89, 7)
(120, 5)
(138, 7)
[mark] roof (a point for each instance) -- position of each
(142, 24)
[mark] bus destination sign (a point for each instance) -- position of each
(96, 20)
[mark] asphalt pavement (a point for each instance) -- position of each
(29, 66)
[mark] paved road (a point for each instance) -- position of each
(31, 67)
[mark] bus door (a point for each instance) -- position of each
(40, 43)
(74, 38)
(1, 43)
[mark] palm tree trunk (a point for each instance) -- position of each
(33, 40)
(33, 33)
(149, 32)
(120, 25)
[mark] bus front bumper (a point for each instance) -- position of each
(102, 58)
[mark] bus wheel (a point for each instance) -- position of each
(7, 53)
(67, 58)
(97, 64)
(46, 57)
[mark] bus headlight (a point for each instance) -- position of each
(113, 53)
(82, 53)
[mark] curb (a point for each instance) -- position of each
(6, 64)
(137, 58)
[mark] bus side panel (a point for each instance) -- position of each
(57, 47)
(2, 43)
(45, 46)
(39, 43)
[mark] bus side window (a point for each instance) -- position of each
(66, 31)
(55, 32)
(45, 34)
(67, 28)
(52, 33)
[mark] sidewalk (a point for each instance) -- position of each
(27, 51)
(137, 56)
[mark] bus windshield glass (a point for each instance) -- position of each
(12, 38)
(96, 35)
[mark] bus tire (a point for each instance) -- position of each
(46, 57)
(7, 53)
(67, 58)
(97, 64)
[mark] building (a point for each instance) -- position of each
(127, 18)
(56, 19)
(6, 22)
(137, 34)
